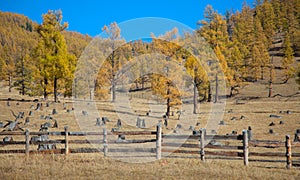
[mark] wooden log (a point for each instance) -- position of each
(66, 140)
(208, 146)
(214, 153)
(134, 132)
(133, 141)
(245, 147)
(267, 154)
(2, 143)
(61, 141)
(202, 144)
(250, 135)
(27, 140)
(12, 133)
(266, 160)
(12, 151)
(196, 137)
(132, 150)
(105, 148)
(288, 147)
(158, 141)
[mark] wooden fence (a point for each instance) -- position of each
(200, 145)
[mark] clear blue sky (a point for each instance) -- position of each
(88, 17)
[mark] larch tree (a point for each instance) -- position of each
(113, 33)
(166, 85)
(214, 31)
(55, 64)
(267, 19)
(288, 59)
(260, 55)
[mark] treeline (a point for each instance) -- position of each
(23, 43)
(41, 59)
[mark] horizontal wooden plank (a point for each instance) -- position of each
(52, 151)
(133, 133)
(132, 141)
(207, 137)
(12, 133)
(224, 153)
(214, 153)
(180, 151)
(224, 137)
(59, 141)
(267, 141)
(266, 160)
(181, 145)
(12, 151)
(131, 150)
(224, 147)
(197, 146)
(86, 150)
(267, 154)
(87, 133)
(11, 143)
(47, 133)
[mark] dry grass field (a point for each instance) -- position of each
(250, 103)
(94, 166)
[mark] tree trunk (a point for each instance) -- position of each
(209, 94)
(231, 91)
(45, 87)
(113, 85)
(262, 73)
(168, 101)
(270, 89)
(195, 98)
(9, 83)
(55, 89)
(217, 89)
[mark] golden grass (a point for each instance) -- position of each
(94, 166)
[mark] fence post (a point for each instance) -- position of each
(105, 148)
(66, 140)
(288, 148)
(250, 133)
(27, 142)
(202, 144)
(158, 141)
(245, 147)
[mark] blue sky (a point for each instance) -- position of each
(88, 17)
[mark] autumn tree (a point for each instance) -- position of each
(166, 85)
(288, 59)
(243, 37)
(113, 33)
(260, 56)
(55, 64)
(214, 31)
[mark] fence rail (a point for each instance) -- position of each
(200, 144)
